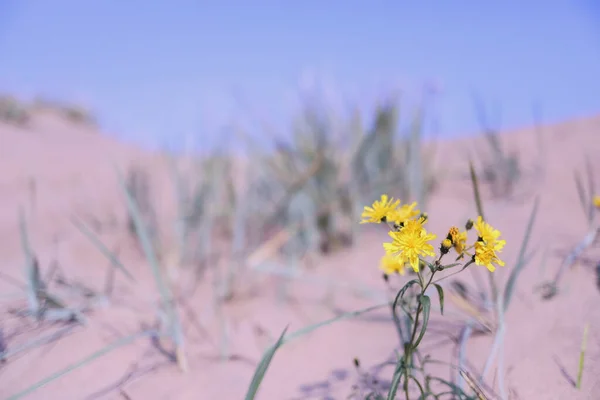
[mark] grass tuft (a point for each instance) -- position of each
(171, 321)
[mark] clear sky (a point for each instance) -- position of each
(157, 70)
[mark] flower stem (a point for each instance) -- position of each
(410, 348)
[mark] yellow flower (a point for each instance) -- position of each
(596, 201)
(446, 243)
(391, 264)
(379, 210)
(414, 225)
(459, 240)
(489, 234)
(485, 254)
(404, 213)
(410, 243)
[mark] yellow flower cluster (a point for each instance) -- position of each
(458, 240)
(388, 210)
(410, 243)
(487, 245)
(410, 240)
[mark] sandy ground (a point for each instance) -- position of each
(73, 176)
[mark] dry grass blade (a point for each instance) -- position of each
(87, 232)
(6, 353)
(137, 185)
(479, 205)
(582, 194)
(476, 193)
(551, 289)
(501, 169)
(119, 343)
(168, 306)
(294, 188)
(479, 392)
(471, 310)
(521, 259)
(32, 272)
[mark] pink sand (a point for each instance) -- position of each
(73, 175)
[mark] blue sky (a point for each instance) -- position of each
(157, 70)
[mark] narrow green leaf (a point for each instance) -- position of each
(398, 297)
(495, 349)
(426, 304)
(262, 367)
(146, 242)
(440, 291)
(420, 387)
(398, 372)
(455, 389)
(14, 350)
(451, 265)
(402, 291)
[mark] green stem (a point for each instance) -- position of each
(410, 348)
(457, 272)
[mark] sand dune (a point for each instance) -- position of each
(55, 170)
